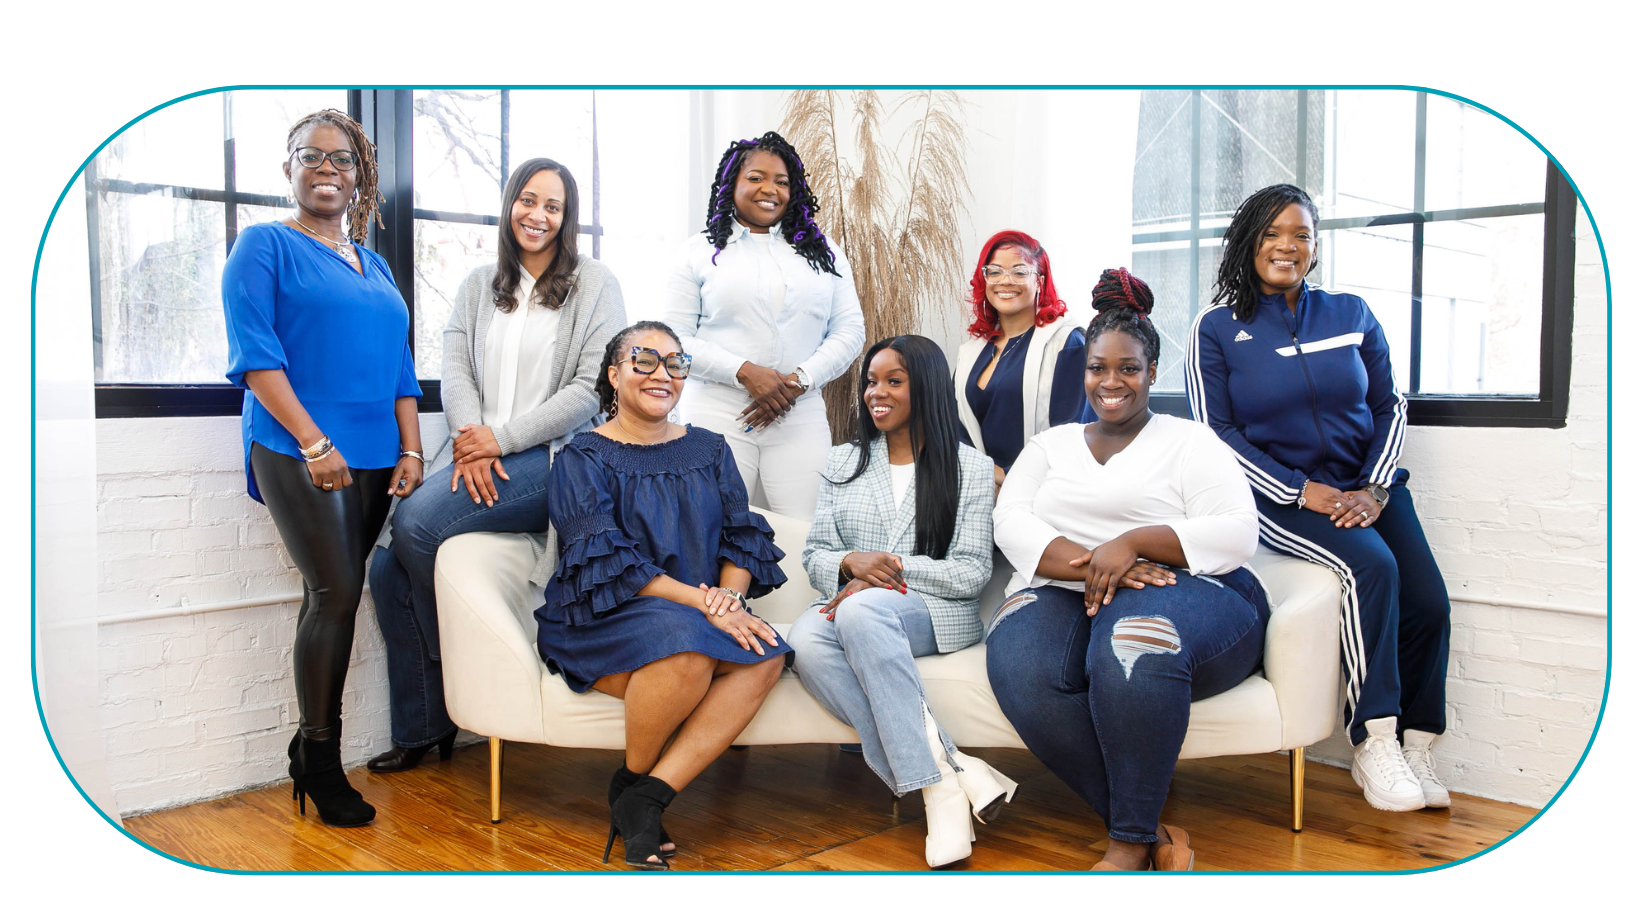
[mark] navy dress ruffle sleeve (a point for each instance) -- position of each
(626, 513)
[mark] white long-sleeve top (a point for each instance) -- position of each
(764, 305)
(1175, 473)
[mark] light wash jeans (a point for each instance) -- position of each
(859, 666)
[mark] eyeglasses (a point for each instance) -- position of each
(645, 361)
(995, 273)
(311, 158)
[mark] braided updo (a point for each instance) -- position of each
(1123, 302)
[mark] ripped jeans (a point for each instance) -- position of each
(1104, 702)
(860, 667)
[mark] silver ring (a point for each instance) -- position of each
(1337, 504)
(403, 482)
(328, 486)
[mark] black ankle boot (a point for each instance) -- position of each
(316, 771)
(636, 817)
(407, 758)
(618, 784)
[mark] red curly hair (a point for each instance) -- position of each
(1049, 306)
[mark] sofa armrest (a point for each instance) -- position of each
(486, 605)
(1301, 646)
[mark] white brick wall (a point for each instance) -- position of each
(1520, 515)
(202, 705)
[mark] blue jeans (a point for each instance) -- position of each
(401, 581)
(860, 667)
(1105, 702)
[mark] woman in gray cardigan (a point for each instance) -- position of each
(522, 350)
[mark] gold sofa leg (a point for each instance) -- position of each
(495, 781)
(1296, 762)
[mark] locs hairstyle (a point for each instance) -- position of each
(366, 196)
(554, 285)
(796, 226)
(1123, 302)
(612, 353)
(1237, 285)
(934, 429)
(1049, 306)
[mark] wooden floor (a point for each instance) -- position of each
(807, 807)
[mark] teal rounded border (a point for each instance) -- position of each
(1605, 265)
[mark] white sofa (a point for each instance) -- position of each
(496, 685)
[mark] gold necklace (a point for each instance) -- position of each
(634, 438)
(345, 248)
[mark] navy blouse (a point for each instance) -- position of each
(999, 406)
(627, 513)
(341, 337)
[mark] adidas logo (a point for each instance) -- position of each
(1243, 336)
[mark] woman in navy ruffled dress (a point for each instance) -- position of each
(658, 555)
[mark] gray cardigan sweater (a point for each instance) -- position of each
(591, 314)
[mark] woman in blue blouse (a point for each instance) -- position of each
(658, 555)
(319, 338)
(1020, 371)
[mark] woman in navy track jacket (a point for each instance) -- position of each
(1298, 382)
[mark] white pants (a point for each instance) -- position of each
(786, 459)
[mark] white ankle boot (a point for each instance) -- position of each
(950, 827)
(986, 787)
(1381, 770)
(1415, 747)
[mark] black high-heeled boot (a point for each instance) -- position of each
(636, 817)
(316, 771)
(407, 758)
(618, 784)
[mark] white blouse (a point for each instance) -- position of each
(900, 478)
(1175, 473)
(518, 357)
(759, 301)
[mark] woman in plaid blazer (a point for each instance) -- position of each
(901, 539)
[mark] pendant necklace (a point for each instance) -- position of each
(345, 248)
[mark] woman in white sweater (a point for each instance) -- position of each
(1129, 600)
(522, 352)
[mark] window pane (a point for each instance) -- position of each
(180, 145)
(1483, 306)
(1473, 158)
(160, 280)
(445, 253)
(1166, 269)
(555, 124)
(458, 150)
(1249, 141)
(1370, 153)
(1376, 264)
(261, 121)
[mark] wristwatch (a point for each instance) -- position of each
(803, 378)
(1379, 493)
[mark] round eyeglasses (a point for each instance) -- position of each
(311, 158)
(645, 361)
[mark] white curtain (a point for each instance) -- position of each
(65, 492)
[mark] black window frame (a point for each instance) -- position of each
(1559, 209)
(388, 115)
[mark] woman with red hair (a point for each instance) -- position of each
(1020, 372)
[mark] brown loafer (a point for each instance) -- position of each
(1176, 856)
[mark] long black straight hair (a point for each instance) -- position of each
(554, 285)
(1237, 283)
(934, 429)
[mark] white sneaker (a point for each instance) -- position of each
(1381, 770)
(1415, 747)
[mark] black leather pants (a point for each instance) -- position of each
(328, 535)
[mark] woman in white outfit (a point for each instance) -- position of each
(769, 313)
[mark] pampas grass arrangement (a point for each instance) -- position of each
(894, 208)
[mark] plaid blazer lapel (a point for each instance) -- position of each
(882, 488)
